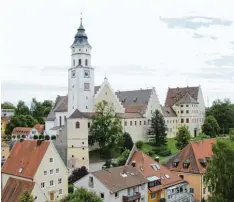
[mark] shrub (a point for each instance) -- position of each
(151, 153)
(165, 153)
(18, 136)
(139, 144)
(70, 188)
(41, 137)
(35, 137)
(53, 137)
(47, 137)
(128, 143)
(157, 150)
(123, 158)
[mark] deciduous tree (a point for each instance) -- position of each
(26, 197)
(77, 174)
(219, 176)
(182, 137)
(82, 195)
(157, 131)
(106, 128)
(211, 126)
(127, 141)
(7, 105)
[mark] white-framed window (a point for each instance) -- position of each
(45, 172)
(60, 191)
(51, 172)
(116, 194)
(153, 195)
(59, 180)
(51, 182)
(42, 185)
(51, 160)
(57, 170)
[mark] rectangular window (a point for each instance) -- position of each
(79, 61)
(140, 123)
(42, 184)
(59, 180)
(187, 120)
(51, 160)
(88, 125)
(186, 105)
(135, 123)
(192, 190)
(153, 195)
(125, 123)
(144, 122)
(60, 121)
(181, 105)
(60, 191)
(57, 170)
(51, 182)
(45, 172)
(182, 120)
(182, 112)
(102, 195)
(130, 123)
(51, 171)
(117, 195)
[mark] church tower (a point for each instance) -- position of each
(81, 74)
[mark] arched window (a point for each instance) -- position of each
(86, 62)
(79, 61)
(77, 124)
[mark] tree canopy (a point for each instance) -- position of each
(157, 131)
(7, 105)
(26, 197)
(223, 111)
(211, 126)
(127, 141)
(81, 195)
(182, 137)
(219, 176)
(106, 129)
(77, 174)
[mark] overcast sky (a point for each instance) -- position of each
(137, 44)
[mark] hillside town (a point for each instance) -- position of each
(96, 143)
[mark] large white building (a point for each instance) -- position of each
(70, 117)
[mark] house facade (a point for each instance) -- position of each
(5, 151)
(162, 183)
(191, 163)
(7, 112)
(37, 162)
(184, 107)
(119, 184)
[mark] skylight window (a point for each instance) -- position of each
(167, 176)
(155, 166)
(20, 170)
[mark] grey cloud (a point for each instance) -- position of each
(186, 22)
(16, 86)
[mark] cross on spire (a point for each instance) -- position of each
(81, 17)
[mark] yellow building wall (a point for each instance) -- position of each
(3, 127)
(160, 194)
(5, 152)
(195, 182)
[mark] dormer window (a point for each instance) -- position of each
(203, 162)
(175, 162)
(186, 163)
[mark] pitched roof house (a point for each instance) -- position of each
(162, 182)
(191, 163)
(37, 162)
(124, 183)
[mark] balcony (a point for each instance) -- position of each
(133, 197)
(181, 197)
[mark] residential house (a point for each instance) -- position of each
(119, 184)
(191, 163)
(4, 121)
(184, 107)
(5, 151)
(38, 162)
(162, 183)
(7, 112)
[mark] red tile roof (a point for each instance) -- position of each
(15, 188)
(143, 164)
(135, 108)
(175, 94)
(39, 127)
(26, 155)
(21, 131)
(193, 152)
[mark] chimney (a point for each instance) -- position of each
(157, 159)
(39, 142)
(133, 163)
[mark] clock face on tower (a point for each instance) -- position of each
(86, 73)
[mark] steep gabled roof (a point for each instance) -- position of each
(25, 158)
(168, 112)
(144, 165)
(193, 152)
(14, 188)
(175, 94)
(135, 100)
(120, 178)
(187, 99)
